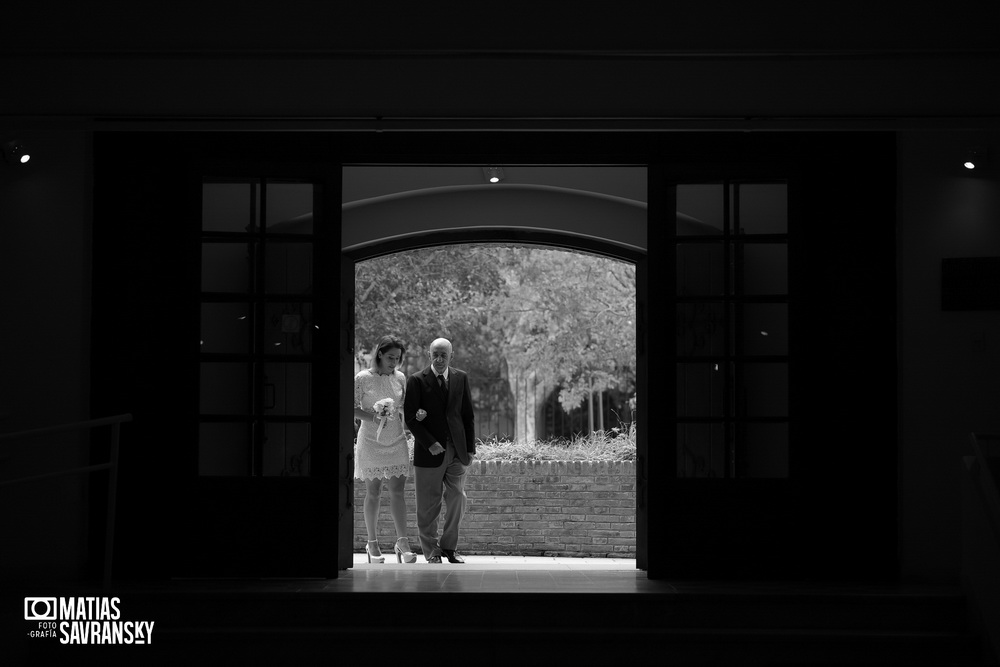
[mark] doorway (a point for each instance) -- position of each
(537, 219)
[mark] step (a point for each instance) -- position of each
(744, 625)
(913, 611)
(540, 646)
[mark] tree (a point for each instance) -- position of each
(570, 317)
(566, 317)
(425, 293)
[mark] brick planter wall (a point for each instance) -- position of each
(531, 508)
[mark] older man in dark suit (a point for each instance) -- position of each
(438, 410)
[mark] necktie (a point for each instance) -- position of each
(441, 384)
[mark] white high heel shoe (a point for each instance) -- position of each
(404, 555)
(374, 558)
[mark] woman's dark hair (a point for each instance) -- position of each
(386, 343)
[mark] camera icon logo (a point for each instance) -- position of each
(41, 609)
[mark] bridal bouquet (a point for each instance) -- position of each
(383, 410)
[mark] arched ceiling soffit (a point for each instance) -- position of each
(412, 214)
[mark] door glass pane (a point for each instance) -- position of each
(700, 329)
(289, 268)
(700, 269)
(763, 268)
(763, 208)
(763, 329)
(700, 209)
(700, 389)
(224, 449)
(287, 389)
(225, 388)
(764, 388)
(289, 208)
(226, 267)
(225, 327)
(286, 450)
(288, 328)
(700, 450)
(228, 207)
(764, 451)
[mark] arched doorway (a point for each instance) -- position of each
(534, 213)
(545, 335)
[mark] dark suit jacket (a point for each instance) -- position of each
(456, 418)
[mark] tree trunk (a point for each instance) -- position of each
(600, 411)
(590, 411)
(525, 403)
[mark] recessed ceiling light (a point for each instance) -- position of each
(493, 174)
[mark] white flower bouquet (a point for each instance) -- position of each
(384, 409)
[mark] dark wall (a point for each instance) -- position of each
(145, 319)
(44, 337)
(747, 64)
(918, 74)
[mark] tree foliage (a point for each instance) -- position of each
(571, 317)
(423, 294)
(568, 316)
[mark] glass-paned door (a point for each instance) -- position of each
(256, 340)
(256, 495)
(730, 502)
(732, 342)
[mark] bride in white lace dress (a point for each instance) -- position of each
(381, 453)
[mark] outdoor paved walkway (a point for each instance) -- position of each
(494, 574)
(512, 563)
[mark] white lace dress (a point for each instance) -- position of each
(388, 455)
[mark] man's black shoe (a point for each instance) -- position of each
(452, 556)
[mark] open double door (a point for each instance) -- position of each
(223, 304)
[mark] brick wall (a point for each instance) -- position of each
(531, 508)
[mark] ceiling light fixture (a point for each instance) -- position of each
(493, 174)
(975, 158)
(14, 152)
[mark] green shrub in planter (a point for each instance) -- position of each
(612, 445)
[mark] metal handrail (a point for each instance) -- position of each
(112, 466)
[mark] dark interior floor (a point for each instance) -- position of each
(525, 611)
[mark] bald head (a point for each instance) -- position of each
(441, 342)
(440, 353)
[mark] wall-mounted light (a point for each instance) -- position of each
(493, 174)
(975, 158)
(14, 152)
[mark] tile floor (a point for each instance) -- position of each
(521, 574)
